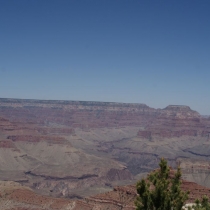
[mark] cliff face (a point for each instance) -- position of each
(75, 114)
(74, 149)
(176, 121)
(196, 171)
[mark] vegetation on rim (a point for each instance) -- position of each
(160, 191)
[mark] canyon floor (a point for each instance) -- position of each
(75, 149)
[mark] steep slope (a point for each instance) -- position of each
(50, 164)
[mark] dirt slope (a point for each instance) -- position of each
(13, 196)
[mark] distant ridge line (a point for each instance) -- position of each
(10, 100)
(90, 103)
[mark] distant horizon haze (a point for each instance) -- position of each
(152, 52)
(36, 99)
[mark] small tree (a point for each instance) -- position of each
(159, 191)
(201, 205)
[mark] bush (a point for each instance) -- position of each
(160, 191)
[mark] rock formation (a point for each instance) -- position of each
(13, 196)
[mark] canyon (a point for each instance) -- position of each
(77, 149)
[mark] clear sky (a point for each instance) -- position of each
(155, 52)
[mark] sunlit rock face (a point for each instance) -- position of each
(76, 149)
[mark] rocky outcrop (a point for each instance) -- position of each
(149, 134)
(16, 197)
(116, 175)
(175, 122)
(35, 139)
(196, 171)
(144, 134)
(6, 144)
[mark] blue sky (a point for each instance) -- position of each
(154, 52)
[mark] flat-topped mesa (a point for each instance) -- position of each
(178, 108)
(181, 111)
(35, 102)
(74, 105)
